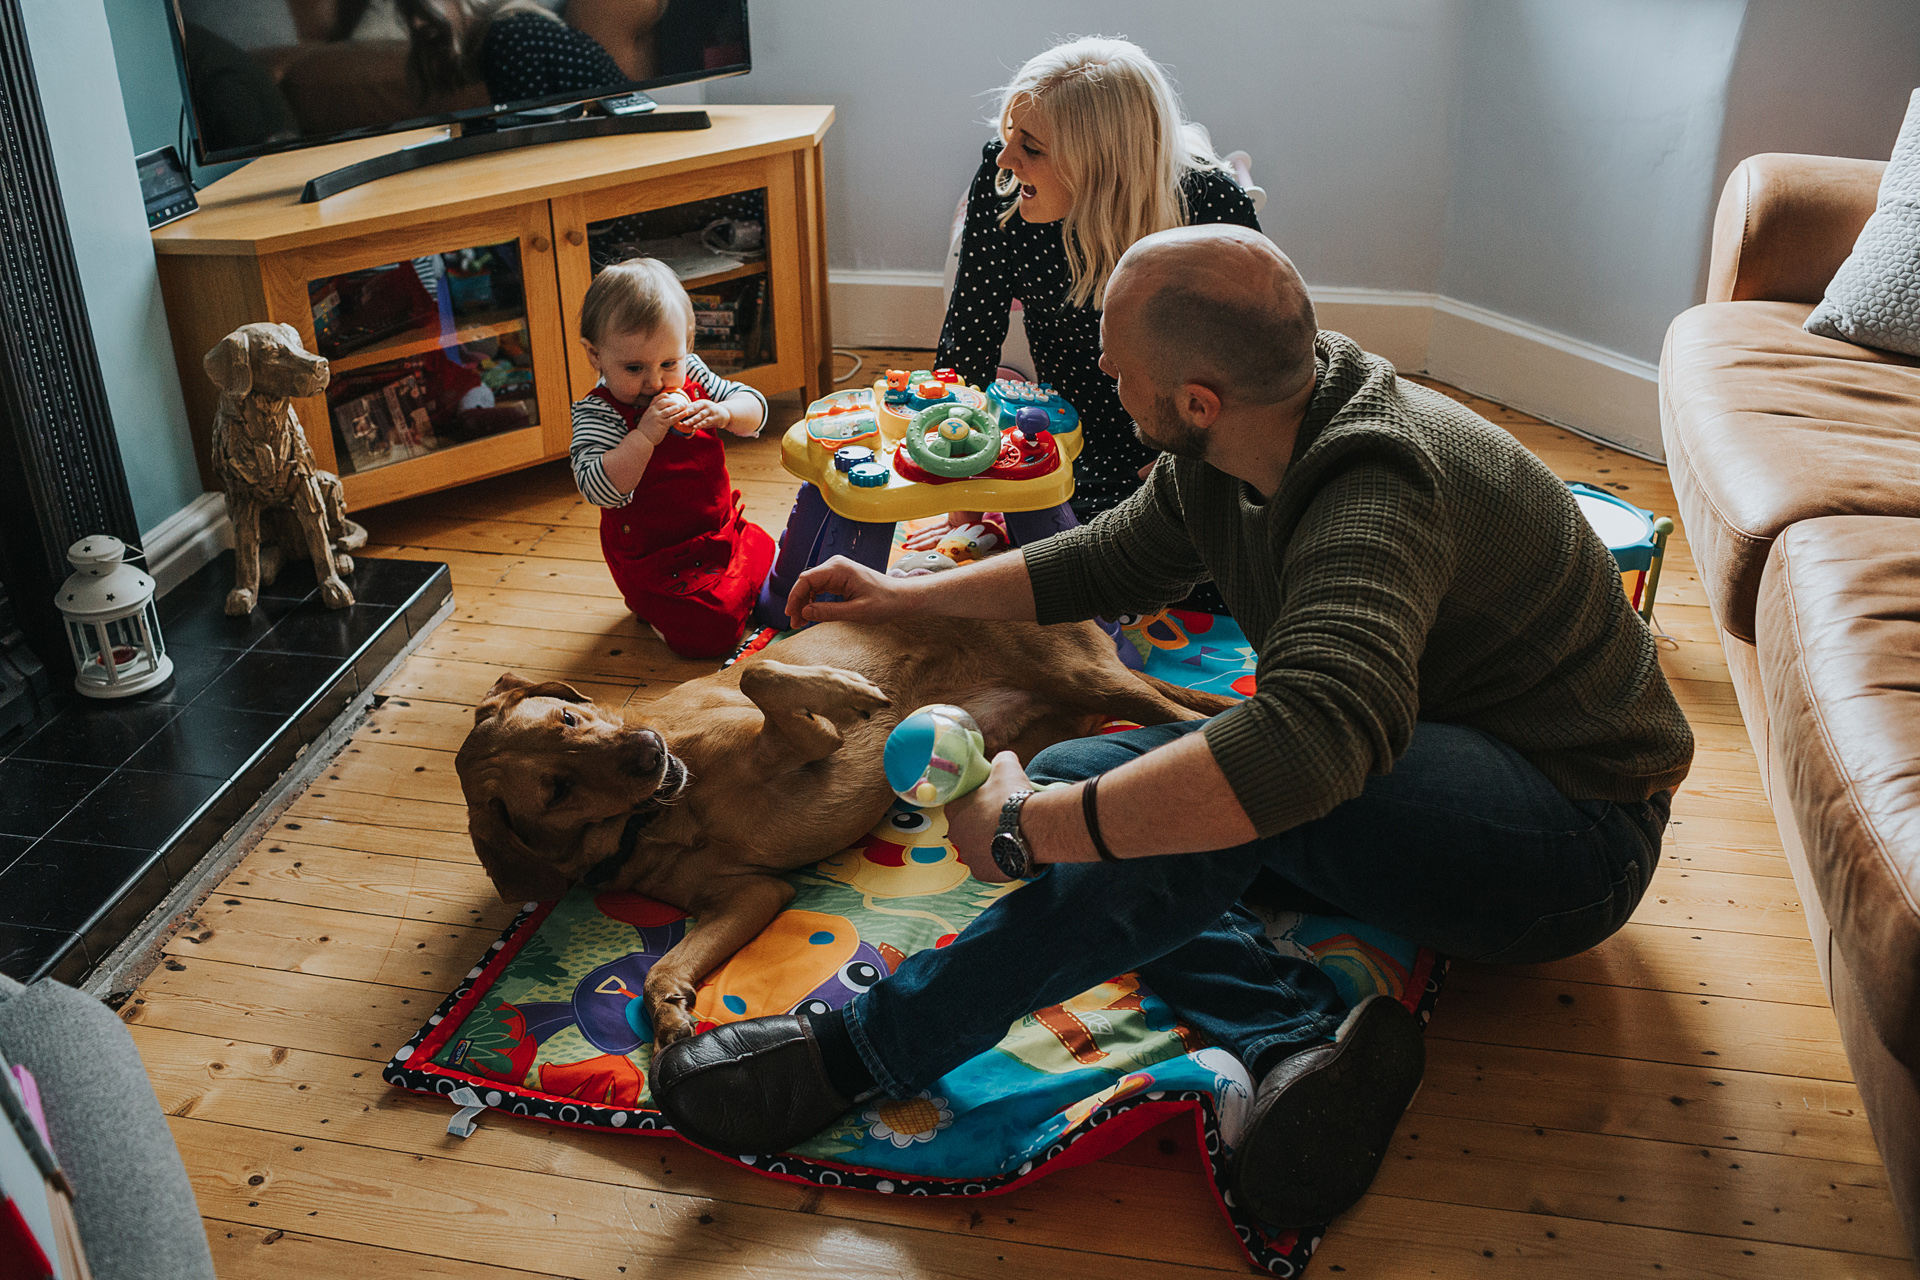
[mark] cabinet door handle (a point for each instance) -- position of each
(540, 244)
(576, 237)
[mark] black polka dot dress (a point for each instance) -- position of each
(1027, 260)
(528, 56)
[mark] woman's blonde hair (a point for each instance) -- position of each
(1121, 144)
(633, 296)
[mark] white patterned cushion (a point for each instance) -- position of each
(1874, 299)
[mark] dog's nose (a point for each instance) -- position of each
(647, 752)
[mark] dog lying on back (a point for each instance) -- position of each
(703, 799)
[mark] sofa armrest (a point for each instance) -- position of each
(1786, 223)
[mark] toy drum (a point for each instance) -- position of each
(1637, 539)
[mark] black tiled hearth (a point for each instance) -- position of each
(106, 805)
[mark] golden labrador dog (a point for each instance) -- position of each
(703, 799)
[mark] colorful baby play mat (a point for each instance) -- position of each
(550, 1024)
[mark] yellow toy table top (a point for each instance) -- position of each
(861, 417)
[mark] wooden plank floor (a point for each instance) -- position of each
(1675, 1101)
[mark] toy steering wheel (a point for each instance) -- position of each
(980, 445)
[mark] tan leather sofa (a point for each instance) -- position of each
(1796, 463)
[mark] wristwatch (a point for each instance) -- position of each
(1010, 850)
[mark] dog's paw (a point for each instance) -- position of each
(335, 594)
(342, 563)
(240, 602)
(671, 1025)
(858, 694)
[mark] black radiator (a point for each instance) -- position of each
(61, 476)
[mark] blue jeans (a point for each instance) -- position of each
(1464, 847)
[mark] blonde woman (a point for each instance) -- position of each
(1094, 152)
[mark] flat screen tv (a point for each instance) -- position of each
(260, 76)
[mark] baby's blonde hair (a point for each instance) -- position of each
(1121, 144)
(632, 297)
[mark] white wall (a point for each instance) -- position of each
(1515, 195)
(1342, 103)
(93, 153)
(1583, 183)
(1831, 78)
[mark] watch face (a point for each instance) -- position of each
(1010, 856)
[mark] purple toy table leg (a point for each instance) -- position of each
(1024, 527)
(790, 561)
(813, 535)
(867, 544)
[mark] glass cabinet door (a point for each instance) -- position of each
(718, 249)
(445, 350)
(731, 236)
(426, 353)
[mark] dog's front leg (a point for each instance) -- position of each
(309, 512)
(244, 510)
(806, 708)
(731, 913)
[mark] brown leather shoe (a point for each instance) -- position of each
(1322, 1118)
(748, 1088)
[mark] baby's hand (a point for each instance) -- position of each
(708, 415)
(664, 412)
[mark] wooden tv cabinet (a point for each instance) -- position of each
(254, 252)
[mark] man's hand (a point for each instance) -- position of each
(972, 818)
(865, 595)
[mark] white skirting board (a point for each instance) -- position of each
(1587, 389)
(186, 540)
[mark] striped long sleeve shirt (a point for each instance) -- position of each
(598, 426)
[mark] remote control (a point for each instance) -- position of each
(627, 104)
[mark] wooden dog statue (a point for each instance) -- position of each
(281, 504)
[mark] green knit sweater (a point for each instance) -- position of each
(1416, 564)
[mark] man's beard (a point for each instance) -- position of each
(1166, 431)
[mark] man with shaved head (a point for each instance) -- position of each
(1460, 734)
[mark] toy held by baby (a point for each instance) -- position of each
(675, 406)
(936, 755)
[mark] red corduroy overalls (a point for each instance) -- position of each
(682, 551)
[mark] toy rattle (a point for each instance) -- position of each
(936, 755)
(686, 403)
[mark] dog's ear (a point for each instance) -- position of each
(228, 364)
(516, 871)
(509, 683)
(490, 705)
(557, 689)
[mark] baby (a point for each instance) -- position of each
(681, 550)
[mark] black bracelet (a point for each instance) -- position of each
(1088, 807)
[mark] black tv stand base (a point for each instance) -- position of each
(474, 144)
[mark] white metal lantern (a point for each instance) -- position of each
(111, 624)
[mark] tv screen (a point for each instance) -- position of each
(270, 75)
